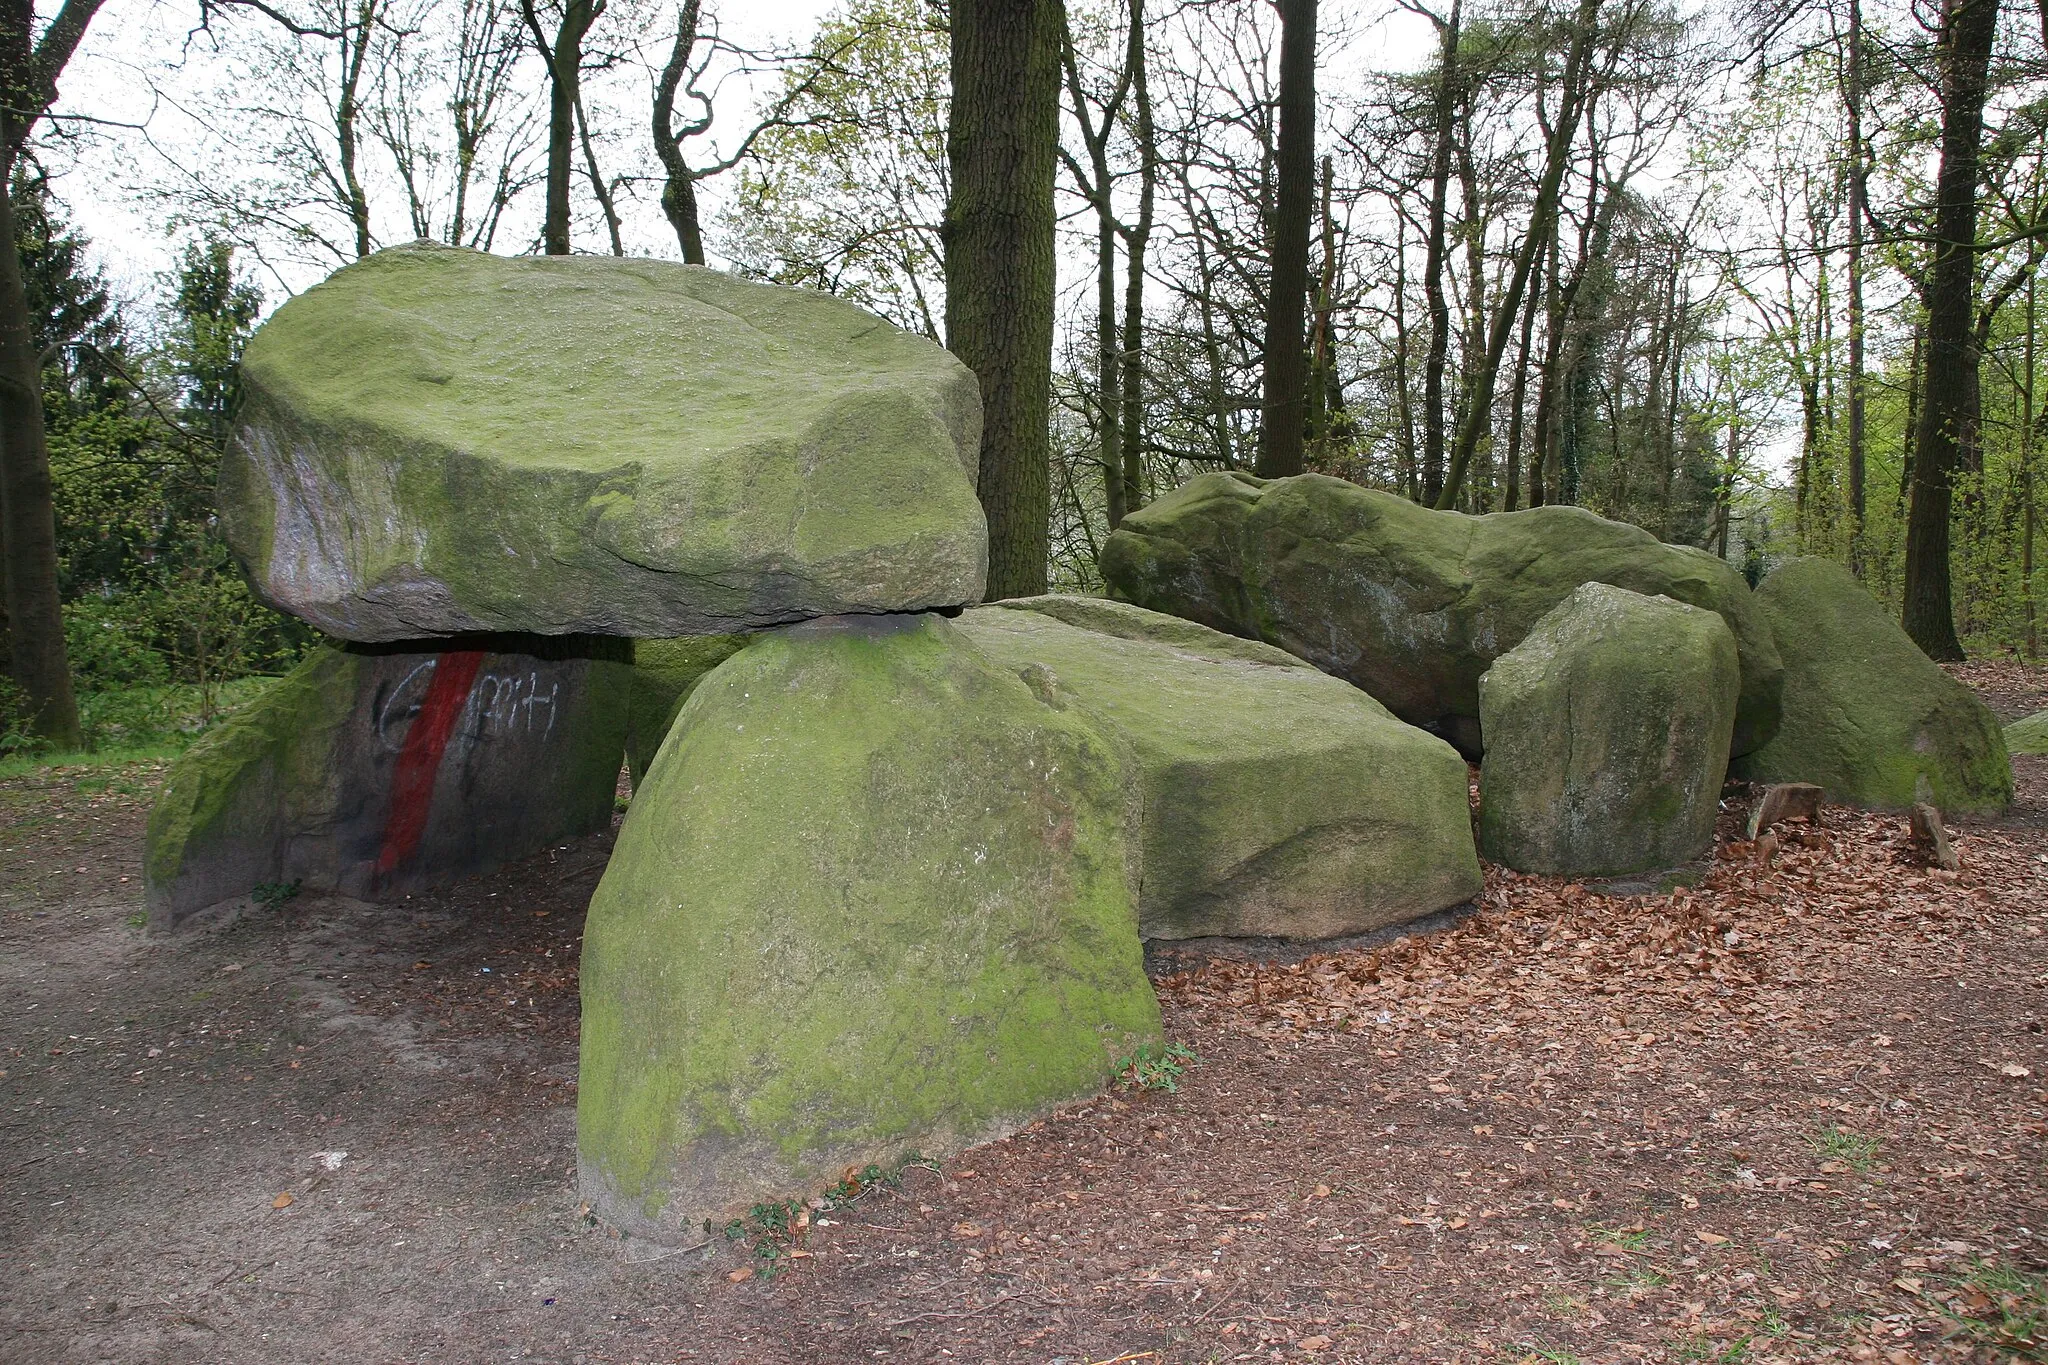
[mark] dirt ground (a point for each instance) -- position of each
(1799, 1112)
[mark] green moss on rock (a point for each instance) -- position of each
(665, 672)
(872, 899)
(1411, 604)
(1607, 732)
(1867, 715)
(1267, 799)
(437, 441)
(2028, 736)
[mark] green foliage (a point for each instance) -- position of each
(1999, 1307)
(1839, 1144)
(273, 895)
(1157, 1067)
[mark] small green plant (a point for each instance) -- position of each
(271, 895)
(1549, 1355)
(1853, 1150)
(2001, 1307)
(138, 921)
(1702, 1348)
(1774, 1323)
(1158, 1068)
(1628, 1239)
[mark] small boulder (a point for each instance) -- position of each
(436, 441)
(873, 899)
(1607, 733)
(1267, 799)
(2029, 736)
(1867, 715)
(376, 772)
(1411, 604)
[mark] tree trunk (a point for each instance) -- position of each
(1852, 82)
(2027, 417)
(678, 187)
(1969, 28)
(1002, 144)
(564, 59)
(1435, 259)
(1136, 240)
(1513, 498)
(1282, 416)
(35, 615)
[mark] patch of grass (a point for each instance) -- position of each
(134, 724)
(2000, 1307)
(777, 1229)
(1774, 1323)
(1560, 1304)
(1548, 1355)
(1638, 1277)
(272, 895)
(1702, 1348)
(1628, 1239)
(1157, 1068)
(1835, 1143)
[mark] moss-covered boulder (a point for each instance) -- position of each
(1607, 732)
(873, 899)
(1867, 715)
(375, 772)
(1410, 604)
(2029, 736)
(436, 441)
(664, 674)
(1266, 799)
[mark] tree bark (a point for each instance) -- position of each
(29, 68)
(1969, 29)
(1283, 414)
(564, 58)
(1002, 145)
(679, 187)
(1852, 83)
(1137, 239)
(1435, 258)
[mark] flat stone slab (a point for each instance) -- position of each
(374, 773)
(1267, 799)
(438, 441)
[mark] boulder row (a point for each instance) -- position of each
(2028, 736)
(1607, 732)
(436, 441)
(1266, 799)
(1410, 604)
(375, 772)
(872, 900)
(1867, 715)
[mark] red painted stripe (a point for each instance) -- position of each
(419, 758)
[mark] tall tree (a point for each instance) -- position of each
(1002, 145)
(1968, 31)
(29, 67)
(563, 53)
(1443, 114)
(1284, 413)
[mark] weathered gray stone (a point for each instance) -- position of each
(436, 441)
(374, 772)
(1867, 715)
(1410, 604)
(1266, 799)
(1607, 732)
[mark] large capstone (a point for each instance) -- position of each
(375, 772)
(873, 899)
(437, 441)
(1867, 715)
(1607, 732)
(1410, 604)
(1265, 799)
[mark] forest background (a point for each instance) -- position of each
(1670, 262)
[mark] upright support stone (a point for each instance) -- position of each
(375, 772)
(1607, 736)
